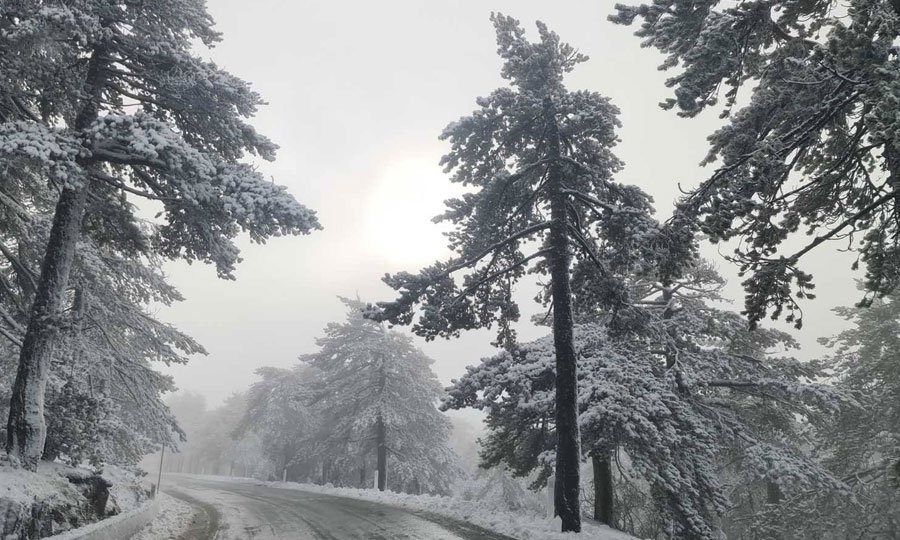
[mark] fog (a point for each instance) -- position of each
(358, 94)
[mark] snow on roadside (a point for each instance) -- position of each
(127, 490)
(499, 520)
(24, 486)
(171, 521)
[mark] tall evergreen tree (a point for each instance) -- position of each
(107, 343)
(277, 409)
(866, 360)
(817, 147)
(376, 391)
(862, 443)
(538, 161)
(69, 74)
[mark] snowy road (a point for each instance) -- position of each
(236, 511)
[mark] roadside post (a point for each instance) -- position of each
(162, 455)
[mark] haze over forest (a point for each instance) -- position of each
(370, 142)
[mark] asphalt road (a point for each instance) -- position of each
(235, 511)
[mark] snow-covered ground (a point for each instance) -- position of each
(171, 521)
(516, 525)
(48, 500)
(24, 487)
(128, 491)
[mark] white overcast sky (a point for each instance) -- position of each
(358, 93)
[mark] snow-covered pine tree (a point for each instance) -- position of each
(682, 391)
(866, 360)
(817, 147)
(108, 342)
(215, 440)
(862, 442)
(538, 161)
(278, 411)
(379, 394)
(71, 73)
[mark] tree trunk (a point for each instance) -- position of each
(672, 343)
(381, 443)
(362, 475)
(773, 492)
(603, 489)
(380, 428)
(26, 428)
(568, 447)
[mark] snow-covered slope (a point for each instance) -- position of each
(42, 501)
(58, 498)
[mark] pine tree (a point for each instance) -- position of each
(277, 410)
(377, 392)
(108, 342)
(70, 75)
(538, 162)
(866, 360)
(861, 444)
(816, 148)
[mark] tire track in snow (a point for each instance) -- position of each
(205, 522)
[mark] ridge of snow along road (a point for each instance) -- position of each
(172, 520)
(499, 520)
(124, 525)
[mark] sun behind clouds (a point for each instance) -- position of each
(398, 225)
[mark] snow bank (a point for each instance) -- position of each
(118, 527)
(44, 501)
(172, 520)
(127, 491)
(24, 486)
(520, 526)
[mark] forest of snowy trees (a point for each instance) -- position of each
(361, 409)
(650, 404)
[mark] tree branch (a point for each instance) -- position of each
(493, 247)
(117, 183)
(494, 275)
(21, 270)
(15, 341)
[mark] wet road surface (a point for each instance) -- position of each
(237, 511)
